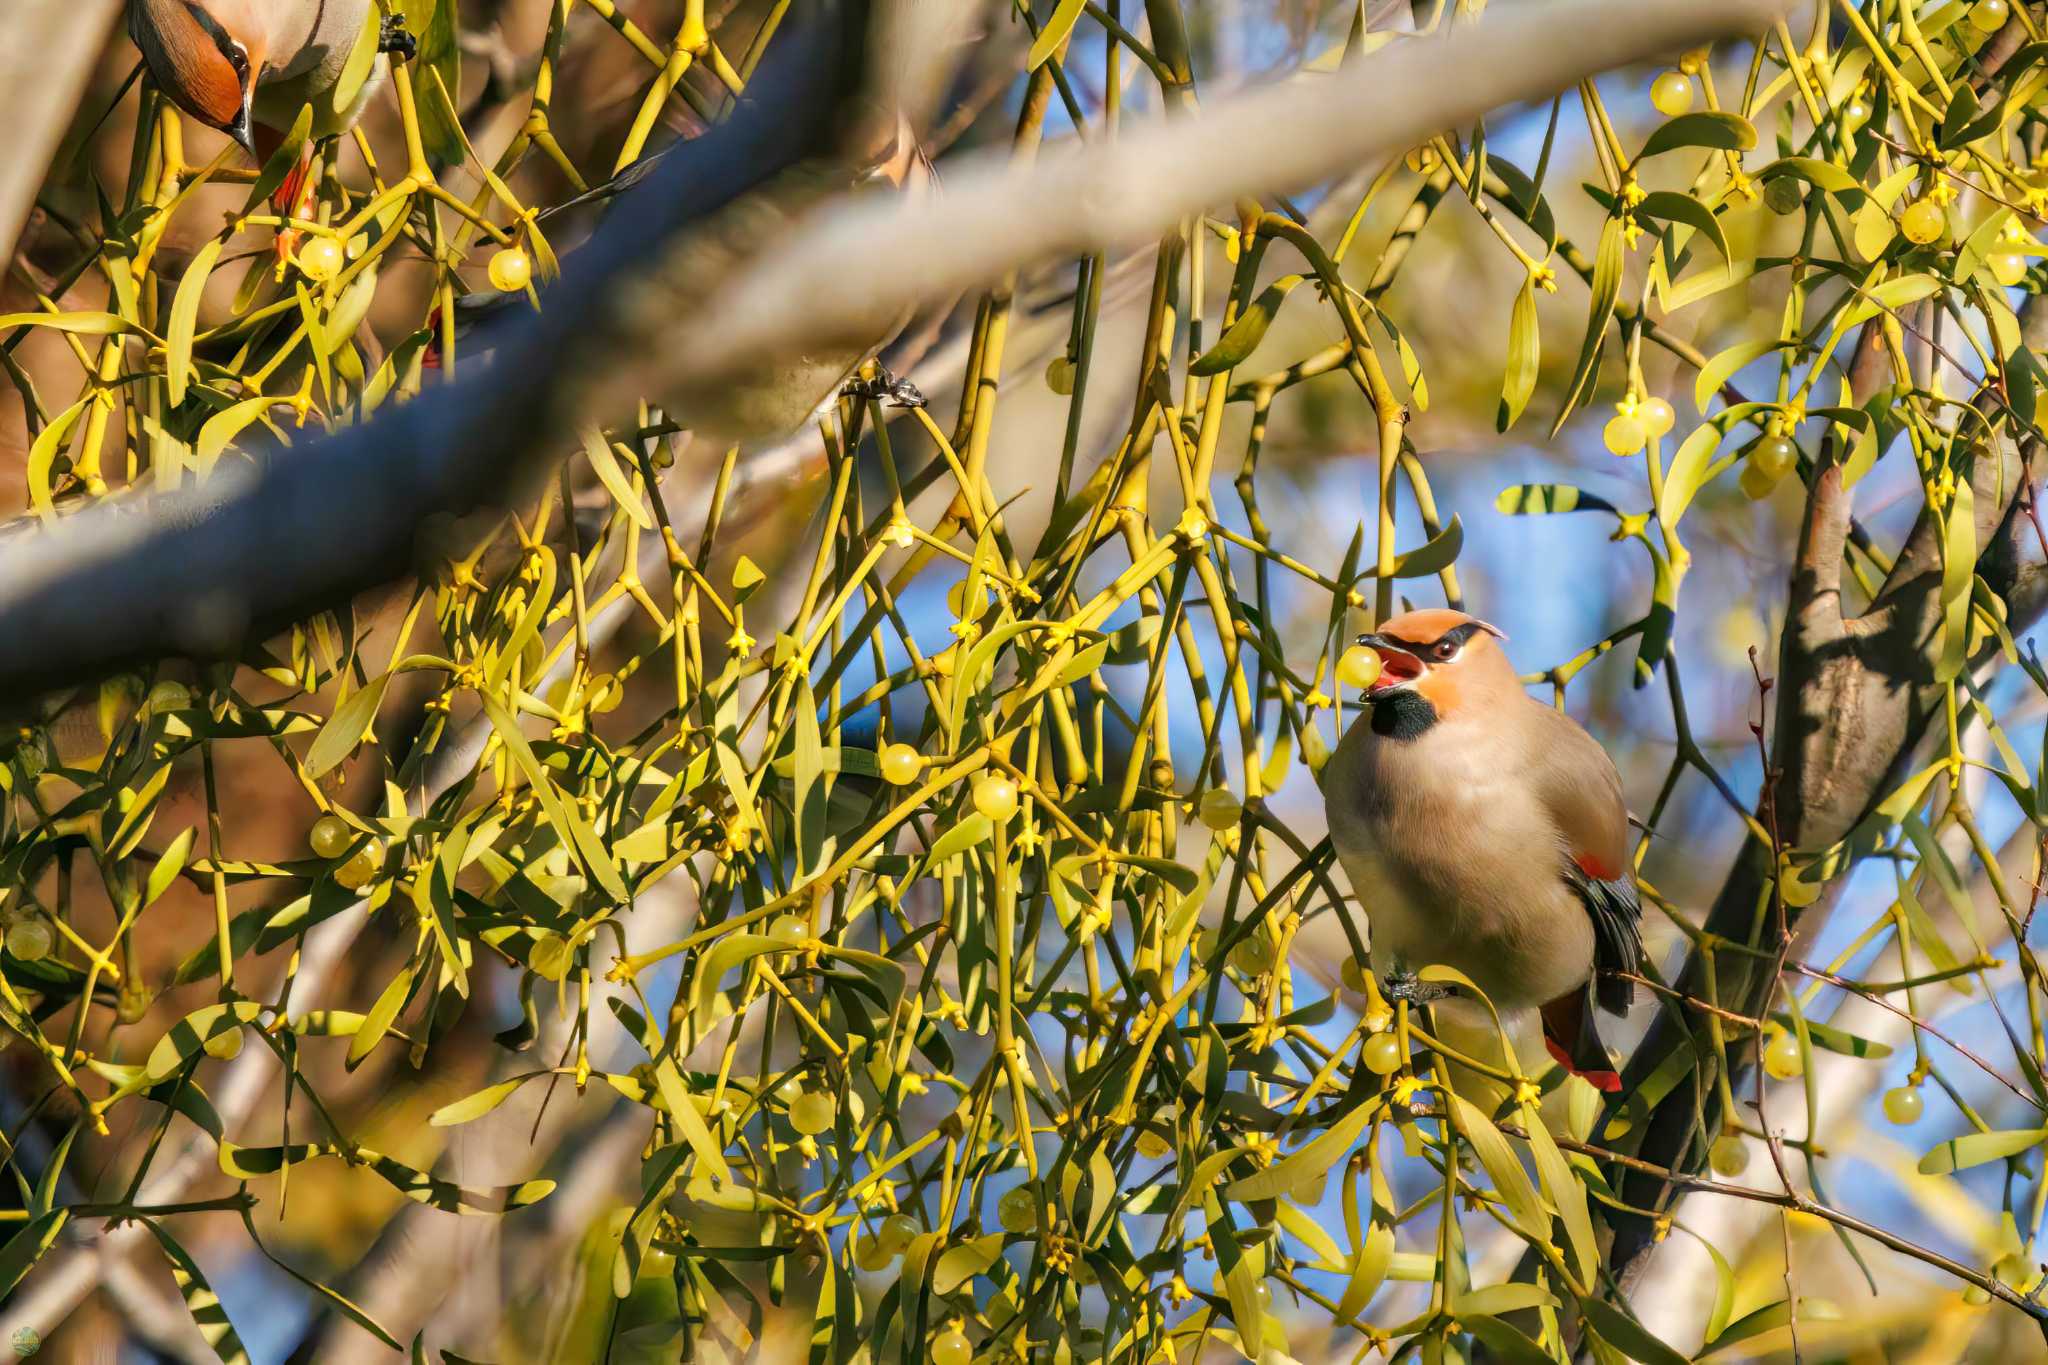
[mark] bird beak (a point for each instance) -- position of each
(239, 131)
(242, 130)
(1398, 665)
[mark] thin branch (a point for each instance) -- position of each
(1792, 1199)
(1820, 974)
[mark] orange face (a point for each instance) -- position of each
(199, 62)
(1439, 654)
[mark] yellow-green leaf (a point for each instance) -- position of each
(1243, 336)
(79, 324)
(1624, 1333)
(43, 452)
(185, 320)
(346, 728)
(1891, 295)
(957, 1265)
(477, 1105)
(1542, 499)
(218, 432)
(200, 1301)
(1688, 471)
(1368, 1270)
(1606, 287)
(1318, 1155)
(571, 826)
(168, 864)
(1706, 128)
(1683, 208)
(1722, 367)
(1564, 1191)
(1974, 1149)
(377, 1023)
(362, 60)
(1510, 1180)
(1825, 175)
(966, 834)
(1054, 33)
(599, 451)
(1525, 355)
(193, 1032)
(1435, 555)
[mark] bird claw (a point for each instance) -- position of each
(393, 39)
(1403, 984)
(897, 393)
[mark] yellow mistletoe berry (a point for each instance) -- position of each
(511, 270)
(1671, 93)
(1923, 221)
(1625, 434)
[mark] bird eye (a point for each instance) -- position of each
(1445, 649)
(238, 58)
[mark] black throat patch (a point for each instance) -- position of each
(1400, 713)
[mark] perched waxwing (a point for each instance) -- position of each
(1485, 831)
(247, 67)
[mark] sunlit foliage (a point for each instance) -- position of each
(920, 882)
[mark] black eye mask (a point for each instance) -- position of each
(1455, 637)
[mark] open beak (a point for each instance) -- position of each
(1398, 666)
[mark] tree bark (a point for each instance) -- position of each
(1855, 698)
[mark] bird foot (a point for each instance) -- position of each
(1403, 984)
(395, 40)
(897, 393)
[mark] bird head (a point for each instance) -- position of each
(1447, 658)
(206, 56)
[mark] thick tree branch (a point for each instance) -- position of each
(47, 51)
(195, 572)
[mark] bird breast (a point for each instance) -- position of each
(1457, 863)
(310, 48)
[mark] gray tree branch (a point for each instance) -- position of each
(1856, 695)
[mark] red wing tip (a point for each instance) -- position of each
(1607, 1082)
(287, 197)
(1596, 869)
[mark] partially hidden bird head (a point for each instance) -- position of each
(1449, 659)
(207, 55)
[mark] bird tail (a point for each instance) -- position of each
(1572, 1036)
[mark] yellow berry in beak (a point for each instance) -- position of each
(1358, 667)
